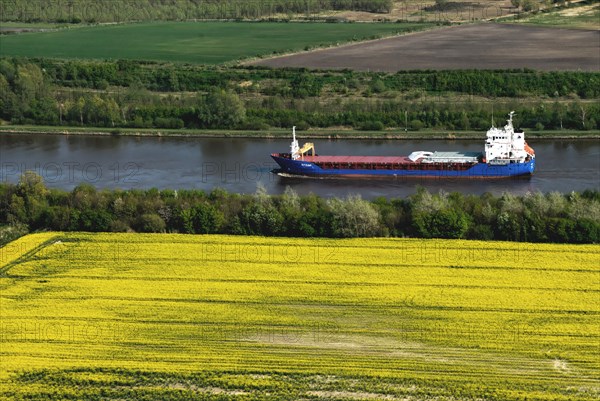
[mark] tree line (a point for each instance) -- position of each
(301, 82)
(534, 217)
(130, 94)
(93, 11)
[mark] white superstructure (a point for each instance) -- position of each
(504, 146)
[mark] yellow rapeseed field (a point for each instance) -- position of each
(168, 317)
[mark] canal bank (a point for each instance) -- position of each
(314, 133)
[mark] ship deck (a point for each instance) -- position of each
(381, 163)
(358, 159)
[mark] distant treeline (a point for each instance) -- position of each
(535, 217)
(93, 11)
(130, 94)
(299, 83)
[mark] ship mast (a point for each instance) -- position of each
(294, 147)
(297, 152)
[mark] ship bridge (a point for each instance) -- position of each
(503, 146)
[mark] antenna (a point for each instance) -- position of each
(492, 114)
(510, 116)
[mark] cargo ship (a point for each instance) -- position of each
(506, 154)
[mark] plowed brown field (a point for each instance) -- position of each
(477, 46)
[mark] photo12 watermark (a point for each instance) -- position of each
(73, 172)
(65, 331)
(236, 172)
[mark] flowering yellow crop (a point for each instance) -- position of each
(130, 316)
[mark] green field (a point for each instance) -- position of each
(202, 42)
(166, 317)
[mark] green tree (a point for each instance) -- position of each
(17, 212)
(185, 221)
(151, 223)
(416, 125)
(206, 219)
(95, 220)
(424, 202)
(306, 84)
(585, 231)
(33, 192)
(221, 109)
(316, 219)
(261, 219)
(378, 86)
(530, 5)
(29, 82)
(9, 106)
(84, 196)
(291, 212)
(559, 229)
(445, 223)
(260, 216)
(57, 218)
(354, 217)
(31, 186)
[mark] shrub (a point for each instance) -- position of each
(151, 223)
(416, 125)
(354, 217)
(371, 126)
(445, 223)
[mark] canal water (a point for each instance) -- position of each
(241, 165)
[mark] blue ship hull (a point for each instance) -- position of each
(478, 170)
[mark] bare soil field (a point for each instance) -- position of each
(10, 30)
(477, 46)
(422, 10)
